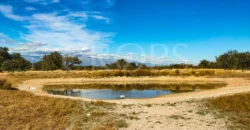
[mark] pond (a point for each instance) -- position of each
(130, 91)
(109, 94)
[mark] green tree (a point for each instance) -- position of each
(37, 65)
(142, 66)
(121, 64)
(9, 65)
(69, 62)
(228, 60)
(23, 64)
(204, 64)
(213, 65)
(19, 64)
(52, 61)
(243, 60)
(13, 62)
(1, 60)
(131, 66)
(4, 53)
(16, 56)
(113, 66)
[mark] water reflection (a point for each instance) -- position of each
(109, 94)
(135, 90)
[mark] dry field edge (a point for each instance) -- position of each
(177, 111)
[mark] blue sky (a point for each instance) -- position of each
(150, 31)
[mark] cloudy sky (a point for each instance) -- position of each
(150, 31)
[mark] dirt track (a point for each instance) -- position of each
(235, 85)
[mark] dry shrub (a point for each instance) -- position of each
(5, 85)
(236, 107)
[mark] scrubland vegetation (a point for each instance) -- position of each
(119, 73)
(22, 110)
(235, 107)
(55, 61)
(18, 77)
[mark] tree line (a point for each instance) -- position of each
(229, 60)
(55, 61)
(52, 61)
(13, 62)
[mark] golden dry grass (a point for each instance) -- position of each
(22, 110)
(115, 73)
(236, 107)
(17, 77)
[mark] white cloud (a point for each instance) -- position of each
(30, 8)
(7, 11)
(64, 33)
(43, 49)
(99, 17)
(30, 46)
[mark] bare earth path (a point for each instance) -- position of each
(171, 112)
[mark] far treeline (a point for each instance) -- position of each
(55, 61)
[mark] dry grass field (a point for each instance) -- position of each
(17, 77)
(23, 110)
(235, 107)
(130, 73)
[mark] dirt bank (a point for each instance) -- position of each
(235, 85)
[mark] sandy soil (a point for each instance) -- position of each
(175, 116)
(172, 112)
